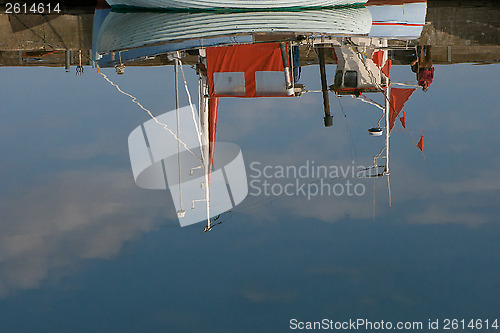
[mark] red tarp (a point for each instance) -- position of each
(213, 107)
(243, 58)
(398, 99)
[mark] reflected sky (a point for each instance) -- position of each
(82, 248)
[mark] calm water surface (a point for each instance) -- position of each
(84, 249)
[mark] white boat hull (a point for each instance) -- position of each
(121, 31)
(402, 20)
(232, 4)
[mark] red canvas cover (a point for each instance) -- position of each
(243, 58)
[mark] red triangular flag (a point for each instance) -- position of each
(420, 144)
(403, 120)
(377, 58)
(399, 96)
(387, 68)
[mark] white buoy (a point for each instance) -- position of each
(376, 131)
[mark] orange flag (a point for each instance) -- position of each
(420, 144)
(387, 68)
(403, 119)
(377, 58)
(399, 96)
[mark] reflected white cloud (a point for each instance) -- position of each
(439, 213)
(66, 218)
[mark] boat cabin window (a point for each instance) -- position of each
(351, 79)
(270, 83)
(229, 83)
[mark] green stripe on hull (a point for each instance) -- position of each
(127, 8)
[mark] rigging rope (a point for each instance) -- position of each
(354, 155)
(134, 100)
(189, 99)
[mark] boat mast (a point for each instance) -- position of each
(328, 119)
(286, 69)
(181, 212)
(387, 131)
(205, 140)
(387, 136)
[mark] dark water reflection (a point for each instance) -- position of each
(83, 248)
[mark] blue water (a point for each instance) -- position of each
(83, 249)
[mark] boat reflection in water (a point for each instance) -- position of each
(134, 35)
(232, 4)
(246, 55)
